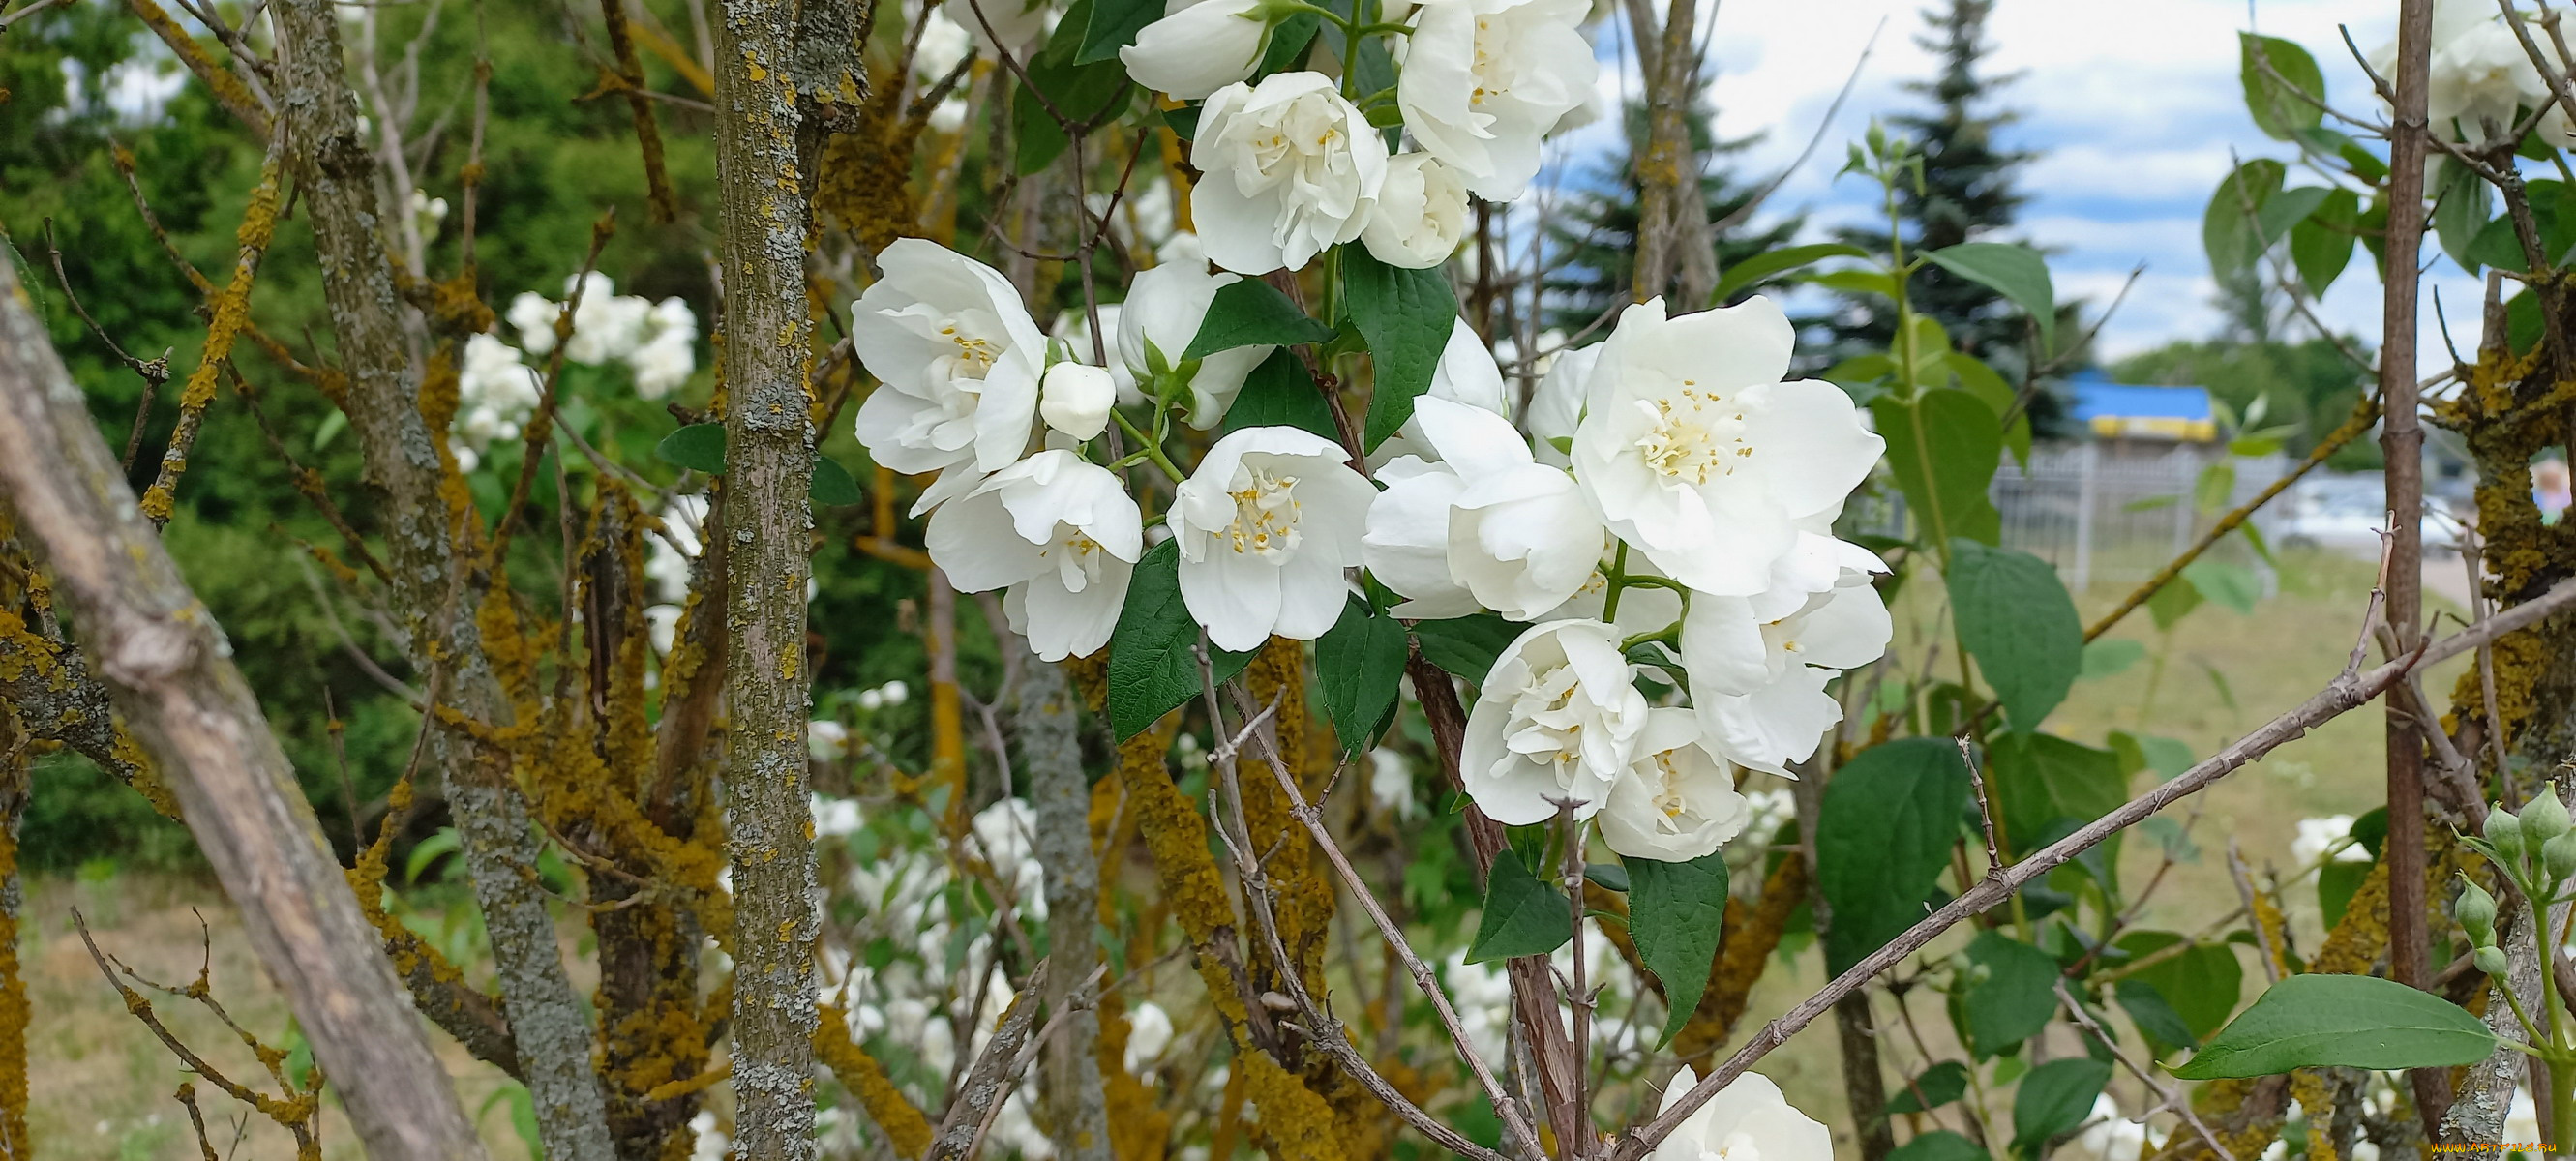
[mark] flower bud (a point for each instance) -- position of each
(1075, 399)
(2490, 960)
(2558, 855)
(2544, 817)
(2476, 912)
(2504, 832)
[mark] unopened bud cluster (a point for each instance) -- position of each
(2536, 851)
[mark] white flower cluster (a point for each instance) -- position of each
(657, 341)
(2480, 73)
(1699, 492)
(496, 391)
(1293, 166)
(2332, 833)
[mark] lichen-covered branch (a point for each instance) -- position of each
(1051, 752)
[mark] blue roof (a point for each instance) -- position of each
(2098, 397)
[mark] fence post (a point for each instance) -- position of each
(2183, 462)
(2088, 464)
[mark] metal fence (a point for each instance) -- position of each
(2112, 517)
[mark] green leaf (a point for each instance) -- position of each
(1082, 92)
(1466, 646)
(1938, 1145)
(1522, 916)
(1944, 448)
(2055, 1098)
(2043, 778)
(2172, 602)
(1358, 662)
(1882, 839)
(2232, 585)
(1406, 316)
(832, 486)
(1249, 312)
(1288, 41)
(2202, 982)
(2227, 226)
(1938, 1086)
(1279, 393)
(1675, 912)
(2210, 491)
(2015, 618)
(1113, 26)
(2154, 1015)
(2360, 161)
(1855, 282)
(1607, 876)
(2460, 211)
(1153, 654)
(2111, 656)
(2321, 244)
(2337, 883)
(2017, 272)
(430, 850)
(2016, 997)
(2288, 98)
(698, 447)
(1981, 381)
(1747, 273)
(2341, 1021)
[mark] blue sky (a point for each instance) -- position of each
(2134, 105)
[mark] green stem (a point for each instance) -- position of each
(1618, 582)
(1151, 449)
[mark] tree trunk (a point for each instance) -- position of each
(769, 464)
(172, 673)
(1051, 752)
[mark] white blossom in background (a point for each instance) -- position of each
(1075, 399)
(957, 360)
(1486, 521)
(1149, 1035)
(1482, 995)
(605, 324)
(656, 342)
(669, 353)
(2331, 833)
(1556, 406)
(836, 817)
(2479, 71)
(1420, 215)
(1164, 309)
(1556, 720)
(2109, 1136)
(1746, 1119)
(1060, 534)
(1697, 454)
(427, 212)
(1391, 783)
(533, 316)
(711, 1143)
(1002, 24)
(944, 45)
(828, 741)
(1678, 801)
(662, 626)
(1198, 47)
(1290, 167)
(667, 557)
(1266, 525)
(1484, 80)
(1004, 835)
(495, 394)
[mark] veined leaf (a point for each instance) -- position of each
(1406, 316)
(2017, 620)
(1522, 915)
(1250, 312)
(2342, 1021)
(1675, 911)
(1358, 663)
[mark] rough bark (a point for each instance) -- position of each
(1051, 752)
(171, 672)
(14, 1013)
(1675, 253)
(769, 458)
(335, 180)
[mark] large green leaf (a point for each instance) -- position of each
(1113, 26)
(2015, 996)
(2321, 244)
(1153, 654)
(1466, 646)
(2232, 585)
(2042, 778)
(1359, 662)
(698, 447)
(1944, 447)
(2054, 1098)
(2227, 226)
(1523, 915)
(2282, 212)
(1980, 380)
(2154, 1015)
(1083, 92)
(2460, 211)
(2017, 272)
(1938, 1145)
(832, 486)
(1675, 911)
(1406, 316)
(2288, 97)
(2015, 618)
(2341, 1021)
(1279, 393)
(1249, 312)
(1882, 838)
(1937, 1086)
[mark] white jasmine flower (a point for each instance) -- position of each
(1556, 406)
(1739, 645)
(606, 325)
(1695, 452)
(1773, 726)
(1746, 1119)
(2479, 72)
(1198, 47)
(1149, 1034)
(1075, 399)
(2109, 1136)
(1164, 309)
(1421, 213)
(533, 316)
(1267, 524)
(1002, 835)
(1515, 536)
(495, 393)
(2331, 833)
(1556, 720)
(896, 692)
(957, 359)
(1678, 802)
(871, 700)
(1466, 373)
(836, 817)
(1484, 80)
(826, 740)
(1003, 24)
(944, 44)
(1060, 533)
(663, 364)
(1290, 169)
(711, 1143)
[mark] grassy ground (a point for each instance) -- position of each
(102, 1086)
